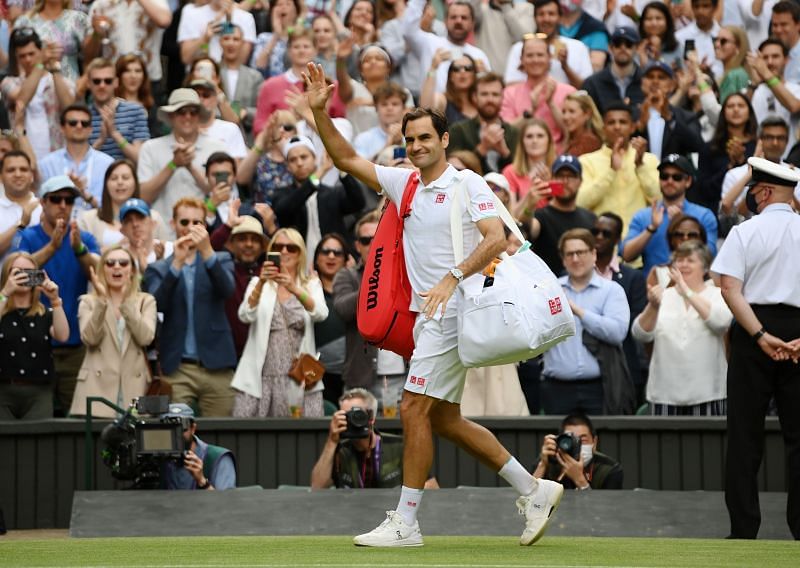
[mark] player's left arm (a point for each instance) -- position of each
(493, 243)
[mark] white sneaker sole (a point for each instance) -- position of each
(405, 543)
(554, 505)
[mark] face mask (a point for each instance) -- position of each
(587, 453)
(751, 203)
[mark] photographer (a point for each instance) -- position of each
(572, 458)
(205, 466)
(355, 454)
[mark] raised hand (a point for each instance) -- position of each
(98, 286)
(182, 248)
(233, 213)
(58, 233)
(617, 154)
(640, 145)
(677, 279)
(317, 89)
(654, 294)
(75, 236)
(656, 213)
(50, 289)
(16, 282)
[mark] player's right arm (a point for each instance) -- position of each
(341, 152)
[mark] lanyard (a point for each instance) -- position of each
(376, 461)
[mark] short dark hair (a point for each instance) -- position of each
(219, 158)
(489, 77)
(578, 419)
(14, 154)
(772, 121)
(774, 41)
(438, 119)
(388, 90)
(714, 3)
(787, 7)
(540, 3)
(580, 234)
(614, 217)
(618, 106)
(460, 3)
(680, 218)
(74, 107)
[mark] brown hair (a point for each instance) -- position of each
(106, 211)
(438, 119)
(388, 90)
(469, 158)
(193, 202)
(371, 217)
(37, 308)
(300, 33)
(450, 93)
(576, 234)
(677, 220)
(99, 63)
(489, 77)
(521, 163)
(144, 95)
(688, 248)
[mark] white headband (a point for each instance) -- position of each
(296, 141)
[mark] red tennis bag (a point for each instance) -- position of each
(383, 314)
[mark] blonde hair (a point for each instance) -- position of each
(296, 238)
(37, 308)
(521, 163)
(101, 273)
(595, 122)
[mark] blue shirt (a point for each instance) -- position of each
(657, 250)
(64, 269)
(595, 41)
(370, 142)
(222, 477)
(188, 273)
(607, 317)
(93, 167)
(130, 119)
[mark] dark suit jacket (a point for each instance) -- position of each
(213, 284)
(633, 282)
(465, 135)
(602, 87)
(681, 133)
(361, 358)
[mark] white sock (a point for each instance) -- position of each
(409, 504)
(518, 477)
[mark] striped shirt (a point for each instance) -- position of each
(131, 121)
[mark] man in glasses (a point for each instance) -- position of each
(171, 167)
(85, 165)
(622, 80)
(119, 127)
(191, 286)
(221, 130)
(647, 233)
(67, 254)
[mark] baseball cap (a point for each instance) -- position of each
(677, 161)
(658, 65)
(249, 224)
(626, 32)
(58, 183)
(498, 179)
(134, 204)
(567, 161)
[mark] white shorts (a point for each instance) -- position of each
(436, 369)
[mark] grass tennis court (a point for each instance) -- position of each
(324, 552)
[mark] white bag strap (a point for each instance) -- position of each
(456, 230)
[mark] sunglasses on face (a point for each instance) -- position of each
(186, 222)
(106, 80)
(722, 40)
(622, 43)
(121, 262)
(191, 111)
(365, 241)
(73, 123)
(686, 235)
(459, 68)
(59, 199)
(605, 232)
(338, 253)
(288, 247)
(663, 176)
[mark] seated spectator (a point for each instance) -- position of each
(19, 207)
(578, 24)
(105, 223)
(200, 459)
(27, 373)
(269, 53)
(371, 460)
(197, 354)
(457, 101)
(487, 134)
(657, 30)
(390, 99)
(582, 123)
(34, 86)
(559, 215)
(572, 377)
(228, 133)
(239, 82)
(117, 323)
(78, 159)
(280, 306)
(330, 257)
(533, 157)
(540, 96)
(119, 128)
(264, 168)
(590, 470)
(686, 321)
(201, 27)
(133, 86)
(621, 176)
(622, 80)
(140, 230)
(731, 47)
(171, 167)
(647, 234)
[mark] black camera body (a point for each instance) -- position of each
(357, 424)
(568, 443)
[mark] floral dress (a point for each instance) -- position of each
(68, 30)
(270, 175)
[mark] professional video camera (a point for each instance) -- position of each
(137, 447)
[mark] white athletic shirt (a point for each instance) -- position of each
(427, 241)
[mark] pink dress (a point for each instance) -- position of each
(517, 99)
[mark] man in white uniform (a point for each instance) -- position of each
(436, 376)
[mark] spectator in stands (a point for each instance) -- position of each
(578, 24)
(540, 95)
(488, 135)
(221, 178)
(687, 322)
(657, 30)
(591, 470)
(681, 228)
(570, 62)
(731, 47)
(67, 31)
(228, 133)
(201, 27)
(647, 234)
(371, 460)
(269, 53)
(561, 214)
(533, 156)
(19, 207)
(140, 231)
(134, 86)
(117, 323)
(27, 374)
(280, 305)
(264, 168)
(205, 467)
(498, 26)
(171, 167)
(84, 165)
(197, 354)
(703, 31)
(621, 176)
(205, 69)
(34, 84)
(330, 257)
(622, 80)
(457, 102)
(572, 375)
(582, 123)
(786, 28)
(325, 42)
(361, 25)
(734, 141)
(66, 254)
(240, 83)
(311, 207)
(465, 160)
(390, 100)
(755, 20)
(774, 95)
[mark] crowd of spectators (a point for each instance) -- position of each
(168, 209)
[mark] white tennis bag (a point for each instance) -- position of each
(523, 314)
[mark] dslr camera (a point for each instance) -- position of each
(357, 424)
(568, 443)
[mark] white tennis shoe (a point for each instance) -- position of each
(538, 508)
(393, 531)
